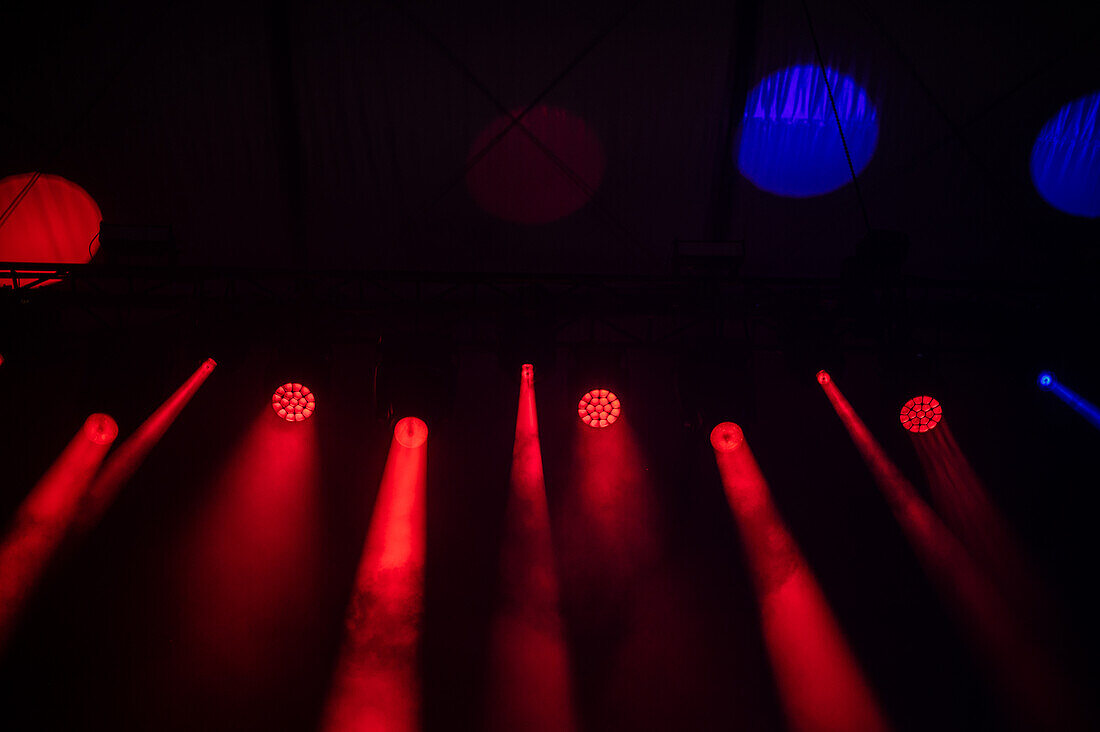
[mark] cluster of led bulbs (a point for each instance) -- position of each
(293, 402)
(921, 414)
(599, 408)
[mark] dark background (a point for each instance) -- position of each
(306, 136)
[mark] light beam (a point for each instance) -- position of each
(529, 686)
(1082, 406)
(1033, 685)
(376, 682)
(819, 680)
(129, 456)
(44, 518)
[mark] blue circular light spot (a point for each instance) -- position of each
(1046, 379)
(790, 144)
(1065, 161)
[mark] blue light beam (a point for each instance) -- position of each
(1084, 407)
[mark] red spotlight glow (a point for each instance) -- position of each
(101, 429)
(540, 169)
(599, 408)
(920, 414)
(246, 570)
(411, 432)
(293, 402)
(823, 377)
(47, 219)
(726, 437)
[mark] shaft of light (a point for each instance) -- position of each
(125, 461)
(1082, 406)
(820, 683)
(966, 507)
(45, 517)
(1032, 682)
(529, 678)
(376, 684)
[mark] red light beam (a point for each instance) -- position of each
(125, 461)
(964, 504)
(375, 686)
(529, 678)
(1033, 684)
(819, 680)
(247, 570)
(44, 518)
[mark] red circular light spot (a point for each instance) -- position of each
(921, 414)
(46, 219)
(293, 402)
(823, 377)
(410, 432)
(101, 429)
(726, 437)
(543, 168)
(599, 408)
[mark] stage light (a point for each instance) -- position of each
(823, 377)
(47, 219)
(538, 170)
(921, 414)
(101, 429)
(1083, 406)
(726, 437)
(599, 408)
(293, 402)
(790, 144)
(410, 432)
(1064, 165)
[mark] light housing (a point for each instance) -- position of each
(921, 414)
(599, 408)
(293, 402)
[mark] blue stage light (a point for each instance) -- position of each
(1046, 380)
(1085, 408)
(1065, 160)
(789, 142)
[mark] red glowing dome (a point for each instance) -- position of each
(101, 429)
(47, 219)
(293, 402)
(535, 181)
(921, 414)
(599, 408)
(823, 377)
(726, 437)
(410, 432)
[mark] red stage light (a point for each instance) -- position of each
(726, 437)
(101, 429)
(921, 414)
(823, 377)
(410, 432)
(543, 168)
(599, 408)
(47, 219)
(293, 402)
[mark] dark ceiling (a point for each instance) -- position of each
(334, 134)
